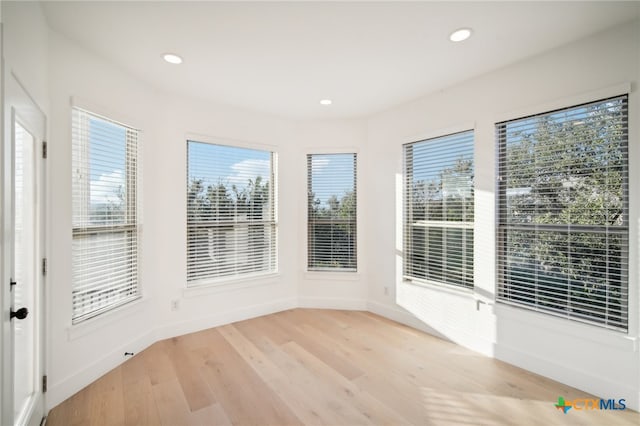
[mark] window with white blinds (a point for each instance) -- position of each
(104, 214)
(438, 210)
(231, 212)
(331, 212)
(563, 225)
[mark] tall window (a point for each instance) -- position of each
(231, 218)
(438, 222)
(332, 212)
(105, 221)
(563, 212)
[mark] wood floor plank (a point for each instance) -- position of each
(298, 398)
(139, 403)
(375, 411)
(157, 362)
(195, 389)
(320, 367)
(211, 415)
(244, 396)
(171, 404)
(106, 406)
(327, 353)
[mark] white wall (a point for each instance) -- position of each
(605, 363)
(25, 47)
(335, 290)
(24, 54)
(81, 353)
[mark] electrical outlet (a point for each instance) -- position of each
(175, 305)
(386, 291)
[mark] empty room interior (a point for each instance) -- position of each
(337, 213)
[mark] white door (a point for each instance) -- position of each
(23, 254)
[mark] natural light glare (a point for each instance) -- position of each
(326, 102)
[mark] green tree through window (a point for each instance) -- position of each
(439, 210)
(563, 203)
(332, 220)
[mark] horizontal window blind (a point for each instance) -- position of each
(439, 209)
(105, 221)
(563, 212)
(332, 208)
(231, 212)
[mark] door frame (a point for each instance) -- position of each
(16, 102)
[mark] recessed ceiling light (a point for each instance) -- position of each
(172, 58)
(460, 34)
(325, 102)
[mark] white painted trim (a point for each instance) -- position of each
(336, 275)
(92, 325)
(565, 102)
(331, 150)
(230, 284)
(584, 380)
(68, 386)
(563, 326)
(104, 112)
(237, 143)
(202, 323)
(441, 132)
(332, 303)
(396, 313)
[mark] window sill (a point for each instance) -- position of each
(553, 324)
(91, 325)
(222, 285)
(442, 287)
(336, 275)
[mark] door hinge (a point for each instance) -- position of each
(44, 384)
(44, 149)
(44, 266)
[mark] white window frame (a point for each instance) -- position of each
(195, 287)
(408, 223)
(131, 228)
(502, 227)
(311, 220)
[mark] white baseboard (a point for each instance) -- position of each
(597, 385)
(215, 320)
(60, 391)
(332, 303)
(600, 386)
(67, 387)
(396, 313)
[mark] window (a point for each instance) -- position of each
(563, 212)
(331, 211)
(105, 221)
(231, 217)
(438, 209)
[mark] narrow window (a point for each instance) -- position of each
(438, 210)
(563, 224)
(105, 220)
(332, 221)
(231, 213)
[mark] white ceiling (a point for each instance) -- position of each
(282, 58)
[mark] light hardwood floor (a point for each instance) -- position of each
(308, 366)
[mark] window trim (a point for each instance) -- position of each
(559, 105)
(133, 202)
(332, 271)
(426, 282)
(215, 284)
